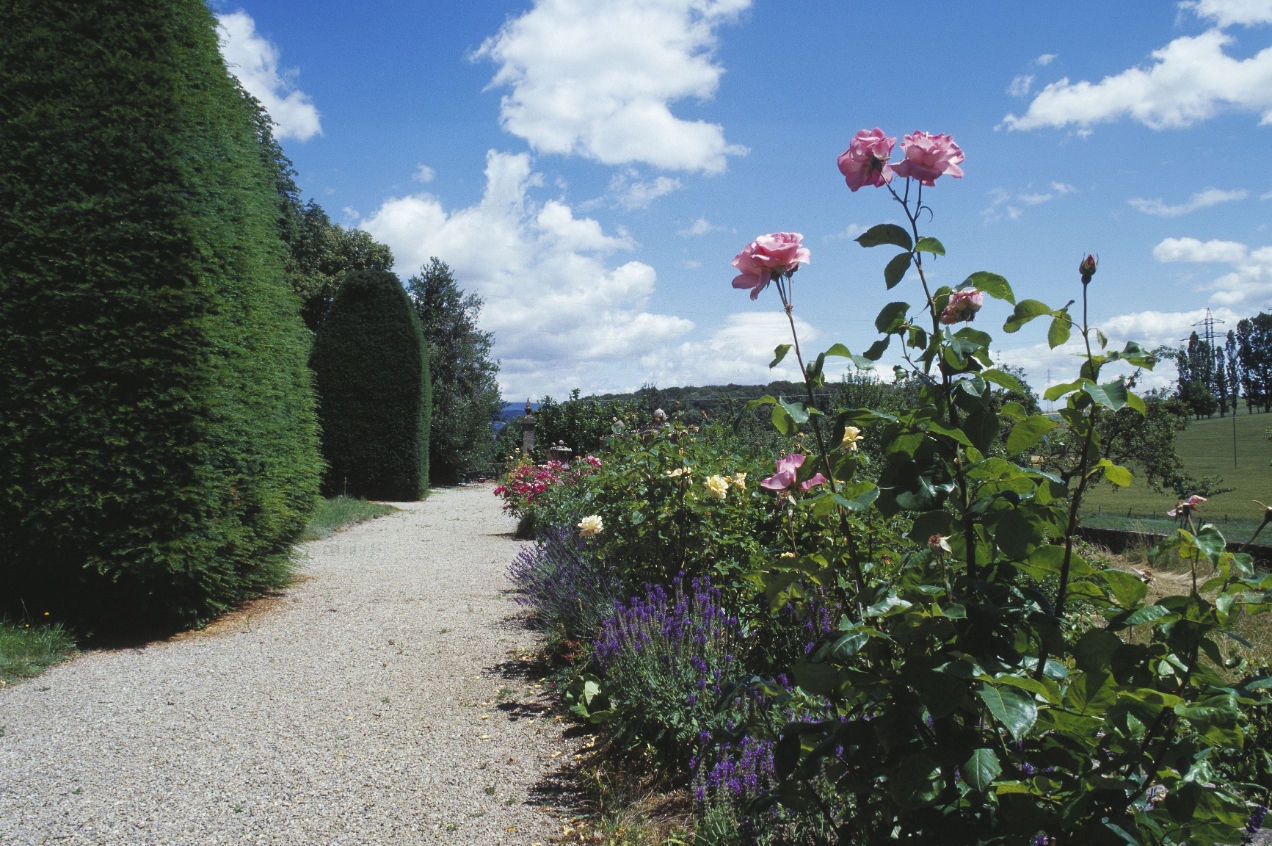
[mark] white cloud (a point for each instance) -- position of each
(597, 79)
(1229, 12)
(1192, 79)
(1004, 202)
(1267, 196)
(1192, 250)
(1200, 200)
(738, 352)
(850, 233)
(1045, 59)
(562, 313)
(255, 62)
(701, 226)
(1249, 284)
(1150, 329)
(634, 193)
(424, 173)
(1020, 86)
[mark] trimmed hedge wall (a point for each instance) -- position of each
(158, 441)
(370, 364)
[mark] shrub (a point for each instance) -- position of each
(370, 365)
(569, 592)
(666, 658)
(158, 449)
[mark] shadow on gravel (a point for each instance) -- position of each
(521, 669)
(560, 792)
(521, 710)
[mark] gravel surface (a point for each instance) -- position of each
(384, 699)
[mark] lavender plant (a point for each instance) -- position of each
(665, 658)
(569, 591)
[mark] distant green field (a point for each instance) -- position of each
(1206, 447)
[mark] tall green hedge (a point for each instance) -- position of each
(370, 364)
(158, 441)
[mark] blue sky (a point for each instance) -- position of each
(591, 167)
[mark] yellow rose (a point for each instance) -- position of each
(852, 439)
(717, 486)
(590, 525)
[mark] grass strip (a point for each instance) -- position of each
(26, 650)
(339, 512)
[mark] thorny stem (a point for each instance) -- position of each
(786, 293)
(951, 413)
(1076, 500)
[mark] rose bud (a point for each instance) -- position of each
(1087, 268)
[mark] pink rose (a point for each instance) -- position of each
(865, 162)
(929, 156)
(1187, 506)
(963, 305)
(1087, 267)
(787, 469)
(767, 256)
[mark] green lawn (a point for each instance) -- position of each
(1206, 447)
(25, 650)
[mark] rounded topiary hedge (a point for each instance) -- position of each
(370, 366)
(158, 441)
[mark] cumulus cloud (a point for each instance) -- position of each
(1229, 12)
(597, 79)
(255, 62)
(562, 312)
(1045, 59)
(424, 173)
(739, 351)
(1248, 284)
(1150, 329)
(1200, 200)
(1191, 79)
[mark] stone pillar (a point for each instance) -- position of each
(527, 433)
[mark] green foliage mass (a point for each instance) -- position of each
(158, 450)
(371, 369)
(465, 393)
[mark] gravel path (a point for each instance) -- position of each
(382, 700)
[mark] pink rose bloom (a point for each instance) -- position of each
(768, 256)
(865, 162)
(963, 305)
(787, 469)
(929, 156)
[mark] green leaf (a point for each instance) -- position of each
(1116, 473)
(896, 269)
(886, 233)
(782, 421)
(877, 349)
(1026, 310)
(1059, 332)
(1057, 391)
(1028, 432)
(1128, 589)
(1211, 541)
(1094, 650)
(992, 284)
(779, 353)
(796, 410)
(916, 783)
(839, 350)
(1116, 393)
(954, 434)
(1147, 614)
(848, 645)
(1003, 379)
(892, 317)
(1014, 708)
(1136, 402)
(981, 769)
(930, 245)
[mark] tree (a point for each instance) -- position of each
(371, 368)
(319, 253)
(465, 393)
(1254, 338)
(158, 446)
